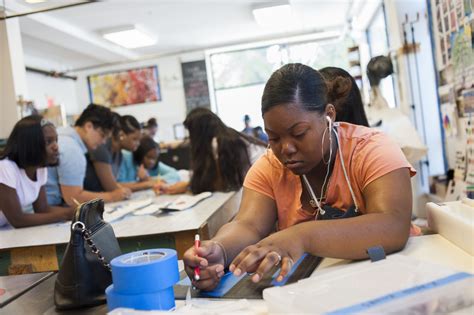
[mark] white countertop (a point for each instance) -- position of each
(432, 248)
(129, 226)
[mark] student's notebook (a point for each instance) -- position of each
(242, 287)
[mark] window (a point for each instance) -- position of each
(239, 75)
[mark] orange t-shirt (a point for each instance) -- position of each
(368, 154)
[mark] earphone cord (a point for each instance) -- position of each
(308, 186)
(345, 172)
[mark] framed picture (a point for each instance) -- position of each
(127, 87)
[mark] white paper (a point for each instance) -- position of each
(187, 201)
(115, 212)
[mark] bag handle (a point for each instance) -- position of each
(86, 235)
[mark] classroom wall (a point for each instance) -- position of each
(428, 108)
(426, 104)
(62, 91)
(172, 107)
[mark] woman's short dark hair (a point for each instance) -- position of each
(349, 108)
(100, 117)
(146, 144)
(152, 123)
(129, 124)
(228, 172)
(126, 123)
(295, 83)
(25, 145)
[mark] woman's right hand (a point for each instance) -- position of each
(120, 193)
(210, 258)
(67, 213)
(177, 188)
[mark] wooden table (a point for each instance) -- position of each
(38, 249)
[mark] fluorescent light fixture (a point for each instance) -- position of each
(131, 36)
(34, 1)
(277, 15)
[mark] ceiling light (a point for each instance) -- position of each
(276, 15)
(130, 36)
(34, 1)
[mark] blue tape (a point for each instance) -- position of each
(285, 279)
(376, 253)
(161, 300)
(146, 271)
(226, 283)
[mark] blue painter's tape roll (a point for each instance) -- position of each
(161, 300)
(146, 271)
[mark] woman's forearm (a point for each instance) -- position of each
(350, 238)
(31, 219)
(136, 186)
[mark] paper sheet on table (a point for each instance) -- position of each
(366, 287)
(115, 212)
(186, 201)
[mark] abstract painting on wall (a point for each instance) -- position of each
(127, 87)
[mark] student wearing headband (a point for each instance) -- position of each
(31, 147)
(330, 189)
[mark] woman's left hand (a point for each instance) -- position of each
(284, 247)
(142, 173)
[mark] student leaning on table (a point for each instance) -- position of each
(313, 163)
(220, 155)
(65, 181)
(103, 163)
(31, 147)
(143, 170)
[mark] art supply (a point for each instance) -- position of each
(242, 287)
(197, 270)
(402, 283)
(113, 213)
(144, 280)
(76, 202)
(186, 201)
(151, 209)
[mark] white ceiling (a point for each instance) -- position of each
(69, 38)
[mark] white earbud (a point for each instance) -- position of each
(329, 121)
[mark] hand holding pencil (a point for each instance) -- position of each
(204, 264)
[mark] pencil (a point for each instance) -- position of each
(76, 202)
(197, 270)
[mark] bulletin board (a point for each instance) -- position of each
(452, 29)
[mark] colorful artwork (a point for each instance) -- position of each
(126, 87)
(448, 114)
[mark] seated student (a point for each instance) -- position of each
(333, 189)
(349, 108)
(65, 182)
(31, 147)
(151, 128)
(259, 134)
(104, 162)
(220, 155)
(138, 167)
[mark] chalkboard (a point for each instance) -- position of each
(196, 89)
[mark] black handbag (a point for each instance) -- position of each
(85, 273)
